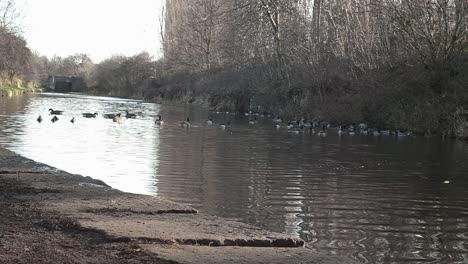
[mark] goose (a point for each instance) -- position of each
(277, 120)
(224, 126)
(159, 121)
(54, 119)
(402, 134)
(362, 126)
(385, 132)
(253, 121)
(55, 112)
(323, 132)
(186, 123)
(72, 120)
(89, 115)
(39, 119)
(117, 118)
(109, 116)
(295, 131)
(129, 115)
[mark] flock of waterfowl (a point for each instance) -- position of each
(320, 128)
(115, 117)
(300, 126)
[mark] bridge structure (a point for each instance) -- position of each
(65, 84)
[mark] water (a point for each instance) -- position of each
(375, 199)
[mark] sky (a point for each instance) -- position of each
(99, 28)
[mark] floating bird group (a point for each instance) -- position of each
(300, 126)
(115, 117)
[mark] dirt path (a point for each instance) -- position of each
(29, 234)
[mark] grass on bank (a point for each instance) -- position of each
(7, 90)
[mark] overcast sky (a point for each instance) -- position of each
(99, 28)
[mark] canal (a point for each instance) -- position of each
(377, 199)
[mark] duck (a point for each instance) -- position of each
(109, 116)
(252, 121)
(224, 126)
(277, 119)
(129, 115)
(295, 131)
(39, 119)
(278, 126)
(72, 120)
(323, 132)
(54, 119)
(209, 121)
(186, 123)
(159, 121)
(403, 134)
(376, 133)
(117, 118)
(89, 115)
(385, 132)
(55, 112)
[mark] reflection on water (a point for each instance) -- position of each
(376, 199)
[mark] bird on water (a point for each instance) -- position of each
(55, 112)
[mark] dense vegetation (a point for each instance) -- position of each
(394, 64)
(15, 56)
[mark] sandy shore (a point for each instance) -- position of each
(50, 216)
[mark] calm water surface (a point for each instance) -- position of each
(376, 199)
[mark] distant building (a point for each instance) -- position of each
(65, 84)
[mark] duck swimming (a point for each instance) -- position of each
(159, 121)
(186, 123)
(89, 115)
(253, 121)
(224, 126)
(39, 119)
(72, 120)
(109, 116)
(209, 121)
(55, 112)
(323, 132)
(277, 119)
(54, 119)
(117, 118)
(129, 115)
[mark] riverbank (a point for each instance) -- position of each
(50, 216)
(11, 90)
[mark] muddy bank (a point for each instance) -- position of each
(50, 216)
